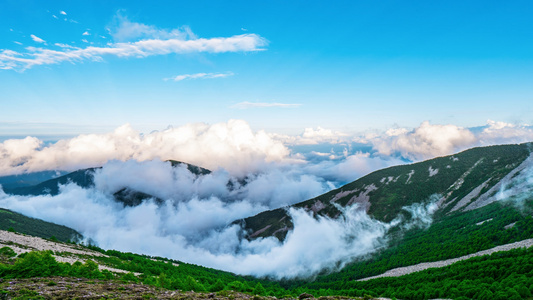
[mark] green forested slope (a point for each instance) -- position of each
(13, 221)
(388, 190)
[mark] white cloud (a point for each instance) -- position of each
(131, 40)
(55, 17)
(63, 13)
(428, 140)
(199, 76)
(192, 223)
(18, 43)
(232, 146)
(37, 39)
(65, 46)
(247, 105)
(125, 30)
(41, 56)
(350, 167)
(425, 141)
(501, 132)
(321, 135)
(195, 230)
(312, 136)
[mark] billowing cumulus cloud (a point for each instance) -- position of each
(312, 136)
(192, 217)
(232, 146)
(425, 141)
(504, 133)
(429, 140)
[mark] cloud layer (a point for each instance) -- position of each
(253, 171)
(232, 146)
(429, 140)
(193, 223)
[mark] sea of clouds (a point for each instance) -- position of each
(252, 171)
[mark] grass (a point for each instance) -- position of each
(15, 222)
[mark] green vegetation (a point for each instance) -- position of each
(391, 189)
(502, 275)
(153, 271)
(15, 222)
(83, 178)
(449, 237)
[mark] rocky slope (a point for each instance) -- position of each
(463, 181)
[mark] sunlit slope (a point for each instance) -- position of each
(458, 182)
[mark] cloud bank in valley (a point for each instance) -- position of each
(193, 223)
(253, 171)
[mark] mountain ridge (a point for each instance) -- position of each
(384, 193)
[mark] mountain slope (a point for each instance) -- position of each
(85, 178)
(22, 180)
(462, 181)
(35, 227)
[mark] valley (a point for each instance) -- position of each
(473, 213)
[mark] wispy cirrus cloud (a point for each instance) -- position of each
(132, 39)
(199, 76)
(125, 30)
(37, 39)
(34, 56)
(247, 105)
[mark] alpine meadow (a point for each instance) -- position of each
(266, 150)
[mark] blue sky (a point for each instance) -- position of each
(350, 66)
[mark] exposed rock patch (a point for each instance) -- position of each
(443, 263)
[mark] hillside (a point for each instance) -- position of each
(30, 179)
(10, 220)
(482, 223)
(462, 182)
(85, 178)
